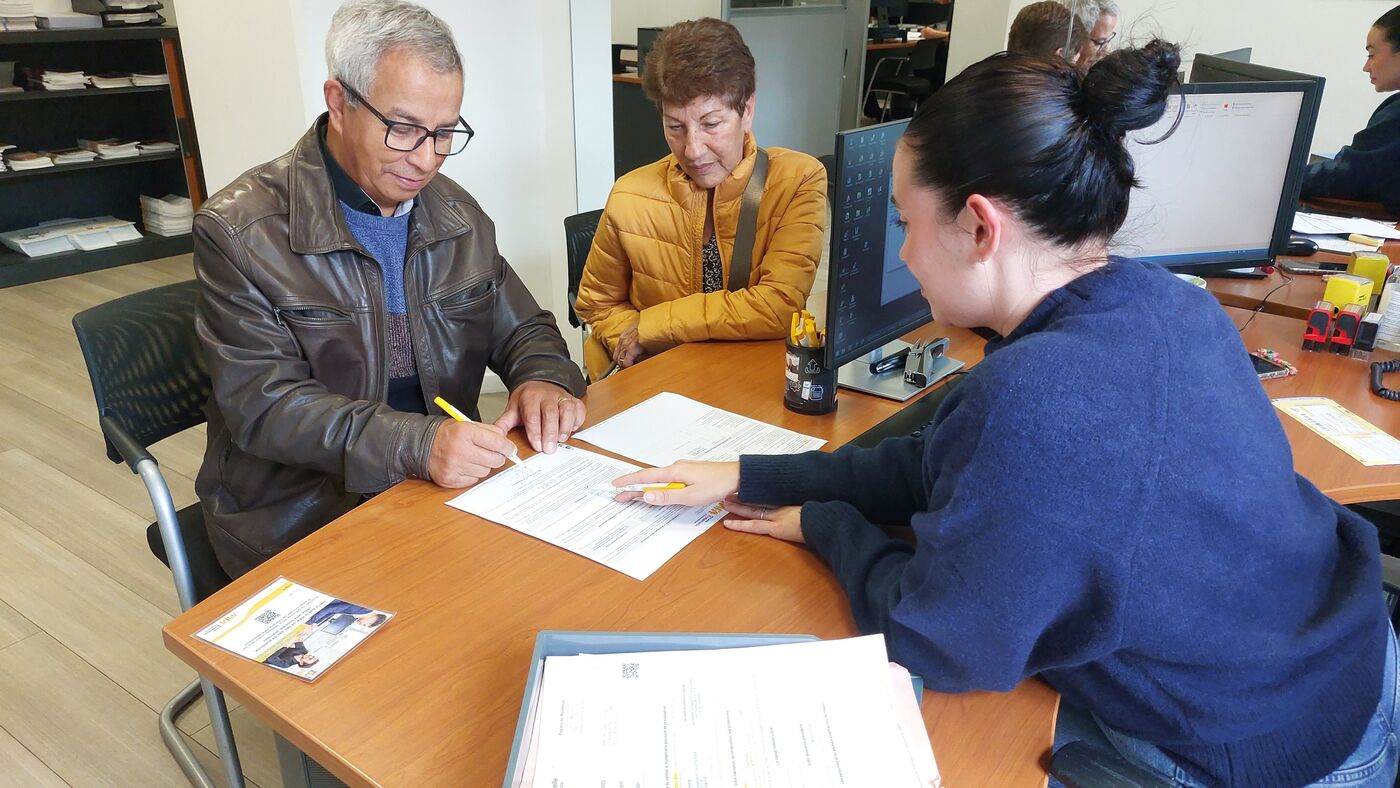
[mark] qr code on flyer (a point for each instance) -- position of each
(629, 670)
(266, 617)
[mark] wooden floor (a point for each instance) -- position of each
(83, 674)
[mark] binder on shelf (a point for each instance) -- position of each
(556, 643)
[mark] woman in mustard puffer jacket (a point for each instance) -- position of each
(658, 271)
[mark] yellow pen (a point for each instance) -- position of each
(460, 416)
(809, 331)
(637, 487)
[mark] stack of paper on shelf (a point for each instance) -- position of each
(4, 146)
(48, 79)
(168, 215)
(7, 77)
(69, 235)
(17, 15)
(66, 20)
(111, 148)
(71, 156)
(147, 78)
(123, 13)
(111, 80)
(156, 146)
(27, 160)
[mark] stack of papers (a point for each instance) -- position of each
(71, 156)
(147, 78)
(111, 80)
(156, 146)
(69, 235)
(111, 148)
(129, 20)
(17, 15)
(4, 146)
(814, 713)
(46, 79)
(7, 77)
(168, 215)
(68, 21)
(1321, 224)
(27, 160)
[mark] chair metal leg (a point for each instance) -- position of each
(169, 525)
(175, 741)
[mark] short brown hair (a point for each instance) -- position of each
(703, 57)
(1040, 30)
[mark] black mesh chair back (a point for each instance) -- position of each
(144, 361)
(924, 55)
(150, 382)
(578, 238)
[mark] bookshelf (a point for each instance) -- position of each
(48, 120)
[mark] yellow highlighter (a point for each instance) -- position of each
(637, 487)
(448, 408)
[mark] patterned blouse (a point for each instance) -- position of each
(711, 269)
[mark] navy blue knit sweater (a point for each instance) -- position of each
(1108, 501)
(1367, 169)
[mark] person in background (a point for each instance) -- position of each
(1369, 168)
(658, 273)
(1042, 29)
(1202, 609)
(1100, 18)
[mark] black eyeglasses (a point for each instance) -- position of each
(406, 137)
(1102, 43)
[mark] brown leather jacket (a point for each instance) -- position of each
(292, 321)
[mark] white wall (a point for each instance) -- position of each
(1324, 37)
(523, 164)
(628, 15)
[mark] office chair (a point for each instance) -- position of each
(1081, 765)
(578, 239)
(150, 382)
(904, 80)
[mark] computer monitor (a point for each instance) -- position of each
(1221, 191)
(872, 298)
(1241, 55)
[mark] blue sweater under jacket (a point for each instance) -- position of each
(1108, 501)
(1369, 168)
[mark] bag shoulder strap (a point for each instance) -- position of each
(742, 264)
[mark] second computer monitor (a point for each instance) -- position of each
(1220, 191)
(872, 298)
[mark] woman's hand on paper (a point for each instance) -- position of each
(781, 522)
(705, 483)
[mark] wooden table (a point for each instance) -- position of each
(884, 46)
(433, 699)
(1341, 378)
(1294, 299)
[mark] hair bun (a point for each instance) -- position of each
(1128, 90)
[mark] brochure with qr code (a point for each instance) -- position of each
(295, 629)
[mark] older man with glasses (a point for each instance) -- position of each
(347, 285)
(1100, 18)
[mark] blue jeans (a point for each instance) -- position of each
(1373, 763)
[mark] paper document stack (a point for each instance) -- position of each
(66, 20)
(27, 160)
(71, 156)
(147, 78)
(4, 146)
(169, 215)
(122, 13)
(7, 77)
(70, 235)
(111, 148)
(1320, 224)
(111, 80)
(17, 15)
(48, 79)
(810, 713)
(156, 146)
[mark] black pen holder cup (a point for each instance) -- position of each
(808, 385)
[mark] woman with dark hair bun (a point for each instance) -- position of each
(1369, 168)
(1107, 501)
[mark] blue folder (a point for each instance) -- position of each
(555, 643)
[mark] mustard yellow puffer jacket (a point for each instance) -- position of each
(644, 266)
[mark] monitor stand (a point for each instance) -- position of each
(890, 385)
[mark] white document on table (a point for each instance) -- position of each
(550, 497)
(1332, 243)
(1347, 431)
(799, 714)
(669, 427)
(1321, 224)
